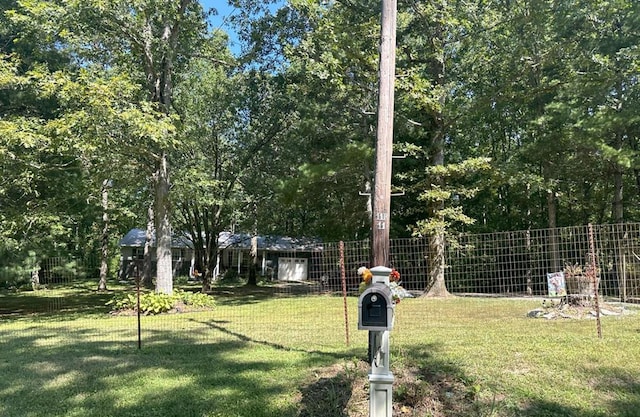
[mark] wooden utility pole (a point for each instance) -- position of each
(384, 143)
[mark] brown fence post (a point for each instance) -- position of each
(594, 279)
(343, 277)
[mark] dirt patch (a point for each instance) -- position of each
(342, 390)
(555, 309)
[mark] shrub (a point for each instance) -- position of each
(181, 280)
(231, 277)
(150, 302)
(157, 303)
(123, 302)
(16, 267)
(196, 299)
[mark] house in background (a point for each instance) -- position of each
(132, 254)
(281, 258)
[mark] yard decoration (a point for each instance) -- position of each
(581, 283)
(394, 283)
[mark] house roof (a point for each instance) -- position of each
(272, 243)
(137, 237)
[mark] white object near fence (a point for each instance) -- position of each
(292, 269)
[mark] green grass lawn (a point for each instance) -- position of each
(276, 356)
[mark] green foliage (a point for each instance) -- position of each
(16, 267)
(196, 299)
(231, 277)
(123, 301)
(157, 303)
(548, 92)
(180, 280)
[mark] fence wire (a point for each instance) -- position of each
(514, 264)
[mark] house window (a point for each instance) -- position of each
(177, 255)
(137, 253)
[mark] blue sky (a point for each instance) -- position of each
(224, 11)
(221, 19)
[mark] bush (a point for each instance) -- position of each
(122, 302)
(13, 278)
(157, 303)
(181, 280)
(231, 277)
(150, 302)
(196, 299)
(16, 268)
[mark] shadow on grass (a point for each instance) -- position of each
(231, 295)
(622, 388)
(51, 305)
(217, 325)
(542, 408)
(77, 300)
(166, 378)
(426, 385)
(212, 370)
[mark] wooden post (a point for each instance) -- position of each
(593, 271)
(384, 143)
(382, 183)
(343, 278)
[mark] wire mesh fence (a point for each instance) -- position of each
(515, 264)
(49, 271)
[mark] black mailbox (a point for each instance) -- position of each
(375, 308)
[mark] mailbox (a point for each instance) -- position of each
(375, 308)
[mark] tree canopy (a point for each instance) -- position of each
(510, 115)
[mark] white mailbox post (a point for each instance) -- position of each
(376, 310)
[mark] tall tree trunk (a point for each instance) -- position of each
(211, 261)
(164, 276)
(618, 196)
(253, 268)
(159, 72)
(618, 218)
(104, 249)
(553, 235)
(436, 286)
(147, 279)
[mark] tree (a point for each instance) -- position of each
(327, 94)
(206, 173)
(41, 191)
(231, 133)
(154, 40)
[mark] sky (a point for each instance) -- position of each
(221, 20)
(224, 11)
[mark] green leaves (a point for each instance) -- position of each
(157, 303)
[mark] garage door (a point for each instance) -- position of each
(292, 269)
